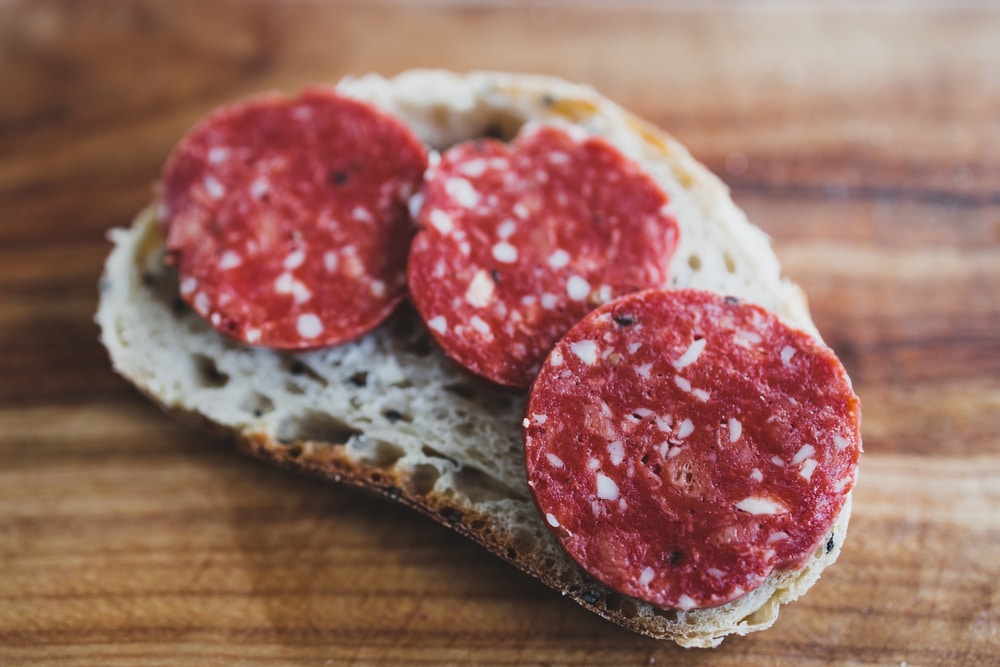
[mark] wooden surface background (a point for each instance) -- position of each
(865, 141)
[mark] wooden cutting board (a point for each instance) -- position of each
(865, 141)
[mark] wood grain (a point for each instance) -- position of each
(865, 141)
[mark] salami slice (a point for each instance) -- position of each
(682, 446)
(288, 220)
(518, 243)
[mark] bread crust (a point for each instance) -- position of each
(390, 414)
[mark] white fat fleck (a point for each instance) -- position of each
(842, 484)
(252, 335)
(462, 192)
(415, 203)
(777, 460)
(746, 338)
(634, 347)
(715, 572)
(188, 285)
(777, 536)
(556, 358)
(664, 423)
(685, 603)
(685, 428)
(433, 158)
(521, 211)
(787, 352)
(474, 168)
(674, 451)
(464, 248)
(558, 157)
(691, 354)
(683, 383)
(378, 289)
(525, 423)
(309, 325)
(229, 260)
(606, 488)
(506, 229)
(302, 113)
(214, 189)
(361, 214)
(504, 252)
(294, 260)
(330, 261)
(606, 409)
(202, 303)
(807, 469)
(577, 288)
(558, 259)
(805, 451)
(438, 323)
(644, 412)
(549, 301)
(756, 475)
(735, 429)
(259, 187)
(480, 325)
(840, 442)
(480, 289)
(616, 450)
(441, 221)
(701, 394)
(643, 370)
(300, 293)
(604, 293)
(758, 505)
(586, 350)
(283, 283)
(593, 464)
(218, 154)
(646, 576)
(555, 461)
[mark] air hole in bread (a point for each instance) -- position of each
(480, 487)
(730, 262)
(694, 261)
(359, 379)
(432, 453)
(625, 606)
(377, 453)
(668, 614)
(765, 613)
(423, 478)
(466, 391)
(300, 369)
(315, 426)
(502, 125)
(209, 374)
(257, 404)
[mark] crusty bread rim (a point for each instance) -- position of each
(442, 473)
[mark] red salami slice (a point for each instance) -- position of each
(683, 446)
(518, 243)
(288, 219)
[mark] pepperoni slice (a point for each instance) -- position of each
(288, 220)
(682, 446)
(518, 243)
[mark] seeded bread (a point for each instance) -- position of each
(390, 413)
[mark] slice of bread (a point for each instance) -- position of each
(389, 413)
